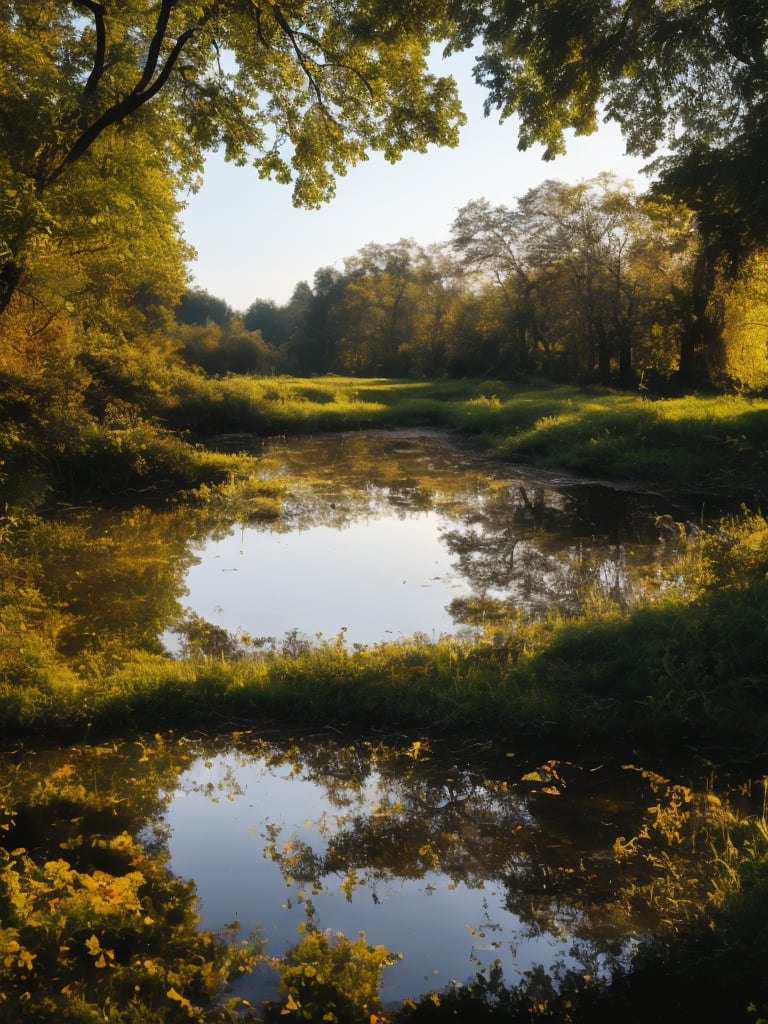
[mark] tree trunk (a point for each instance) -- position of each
(603, 356)
(10, 275)
(701, 328)
(627, 378)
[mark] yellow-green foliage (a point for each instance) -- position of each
(733, 554)
(332, 978)
(94, 928)
(743, 357)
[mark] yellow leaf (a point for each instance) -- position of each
(290, 1005)
(101, 962)
(551, 790)
(177, 997)
(93, 945)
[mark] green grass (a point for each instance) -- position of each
(716, 444)
(666, 674)
(713, 445)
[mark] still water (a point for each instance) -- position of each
(385, 535)
(452, 855)
(453, 862)
(454, 866)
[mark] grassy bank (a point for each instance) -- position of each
(681, 669)
(713, 444)
(692, 674)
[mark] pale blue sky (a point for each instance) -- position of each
(252, 243)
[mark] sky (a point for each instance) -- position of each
(252, 243)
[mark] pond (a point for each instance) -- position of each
(385, 535)
(452, 863)
(453, 857)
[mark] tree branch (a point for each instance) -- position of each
(155, 45)
(330, 59)
(301, 58)
(142, 93)
(97, 10)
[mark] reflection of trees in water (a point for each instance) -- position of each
(548, 838)
(586, 852)
(518, 542)
(341, 479)
(111, 583)
(541, 550)
(96, 918)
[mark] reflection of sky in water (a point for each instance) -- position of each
(380, 533)
(445, 931)
(381, 578)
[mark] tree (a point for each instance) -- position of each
(577, 267)
(199, 307)
(269, 319)
(314, 328)
(397, 310)
(688, 80)
(492, 242)
(686, 77)
(301, 89)
(742, 359)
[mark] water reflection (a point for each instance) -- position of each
(387, 534)
(453, 858)
(454, 864)
(382, 535)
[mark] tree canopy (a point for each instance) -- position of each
(107, 112)
(687, 81)
(301, 89)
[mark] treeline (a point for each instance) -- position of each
(585, 283)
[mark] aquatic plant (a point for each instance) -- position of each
(331, 978)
